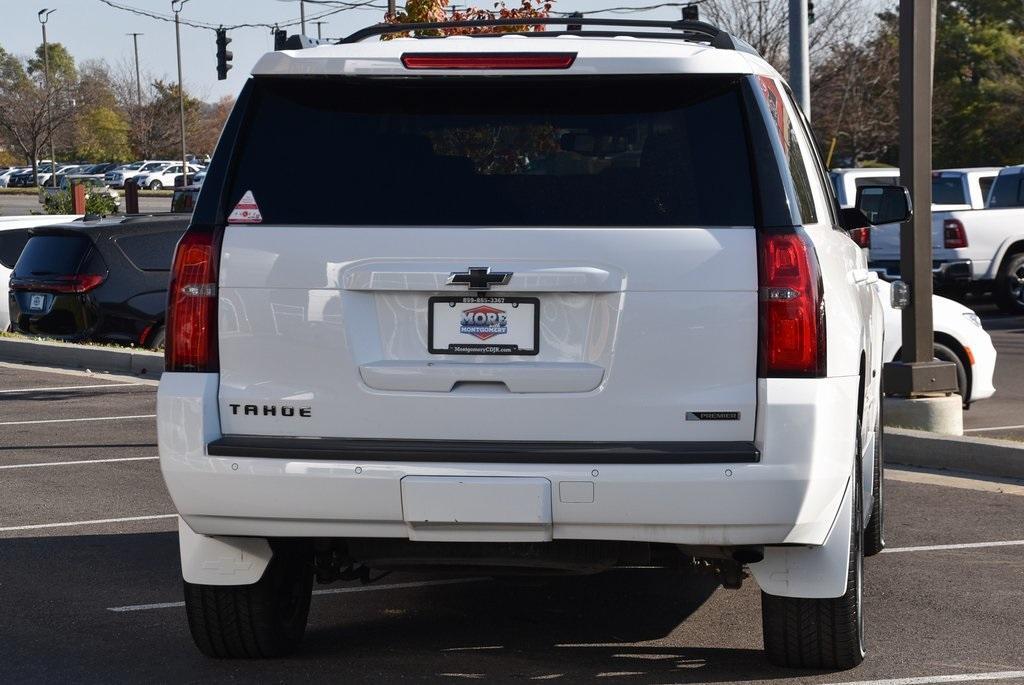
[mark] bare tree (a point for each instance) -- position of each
(765, 25)
(23, 107)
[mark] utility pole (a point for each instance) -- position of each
(799, 58)
(44, 16)
(391, 8)
(138, 77)
(319, 33)
(176, 6)
(302, 17)
(917, 376)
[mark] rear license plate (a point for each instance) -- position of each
(36, 302)
(483, 325)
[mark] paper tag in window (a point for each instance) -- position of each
(246, 211)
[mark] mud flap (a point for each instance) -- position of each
(810, 572)
(209, 560)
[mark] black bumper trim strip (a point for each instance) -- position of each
(361, 449)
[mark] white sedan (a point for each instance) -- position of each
(959, 338)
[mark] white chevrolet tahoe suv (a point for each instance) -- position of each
(580, 299)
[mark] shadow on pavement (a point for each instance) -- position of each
(56, 625)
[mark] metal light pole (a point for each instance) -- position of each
(302, 17)
(176, 6)
(44, 16)
(319, 32)
(138, 77)
(391, 8)
(917, 374)
(799, 62)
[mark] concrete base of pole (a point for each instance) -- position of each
(943, 414)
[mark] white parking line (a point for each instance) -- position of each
(91, 418)
(329, 591)
(74, 463)
(965, 545)
(68, 524)
(992, 428)
(71, 387)
(924, 680)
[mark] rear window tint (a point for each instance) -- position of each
(533, 152)
(948, 190)
(12, 242)
(48, 255)
(1008, 191)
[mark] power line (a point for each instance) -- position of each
(630, 9)
(338, 6)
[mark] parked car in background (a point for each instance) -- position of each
(156, 180)
(846, 181)
(979, 250)
(962, 188)
(100, 169)
(103, 280)
(43, 178)
(965, 188)
(5, 176)
(13, 236)
(94, 185)
(959, 338)
(118, 177)
(26, 179)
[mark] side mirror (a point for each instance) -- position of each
(884, 204)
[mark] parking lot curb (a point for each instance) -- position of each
(136, 362)
(981, 456)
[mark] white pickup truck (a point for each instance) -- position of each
(980, 250)
(965, 188)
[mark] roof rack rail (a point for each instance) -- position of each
(697, 31)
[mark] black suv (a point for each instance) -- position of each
(103, 280)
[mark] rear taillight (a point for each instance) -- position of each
(861, 236)
(792, 312)
(508, 60)
(191, 343)
(953, 234)
(77, 283)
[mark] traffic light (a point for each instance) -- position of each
(223, 54)
(691, 12)
(280, 38)
(810, 13)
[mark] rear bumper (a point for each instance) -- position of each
(944, 273)
(805, 438)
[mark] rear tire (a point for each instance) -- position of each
(265, 619)
(821, 633)
(945, 353)
(1009, 285)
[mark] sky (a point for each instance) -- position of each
(91, 29)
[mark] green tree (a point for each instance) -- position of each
(979, 82)
(102, 134)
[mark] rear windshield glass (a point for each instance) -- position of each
(531, 152)
(1008, 191)
(948, 190)
(50, 255)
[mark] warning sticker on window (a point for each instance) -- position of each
(246, 211)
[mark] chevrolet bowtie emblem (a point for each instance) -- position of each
(479, 278)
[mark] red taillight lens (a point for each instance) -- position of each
(508, 60)
(862, 236)
(792, 311)
(953, 234)
(77, 283)
(192, 306)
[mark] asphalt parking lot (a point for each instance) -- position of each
(90, 587)
(1002, 415)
